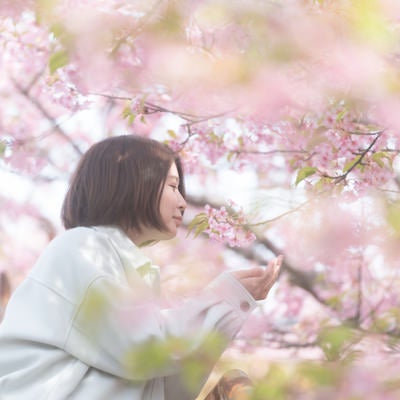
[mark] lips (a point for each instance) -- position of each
(178, 220)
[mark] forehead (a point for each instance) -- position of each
(173, 172)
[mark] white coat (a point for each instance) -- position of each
(67, 330)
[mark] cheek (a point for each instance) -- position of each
(169, 199)
(166, 204)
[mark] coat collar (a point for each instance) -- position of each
(132, 258)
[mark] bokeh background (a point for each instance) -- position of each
(286, 115)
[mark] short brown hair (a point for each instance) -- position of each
(119, 181)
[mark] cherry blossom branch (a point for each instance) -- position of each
(268, 221)
(299, 278)
(361, 155)
(360, 292)
(281, 151)
(285, 344)
(146, 107)
(395, 332)
(137, 28)
(387, 150)
(37, 178)
(356, 319)
(276, 339)
(55, 125)
(358, 161)
(302, 279)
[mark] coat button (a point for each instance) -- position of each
(245, 306)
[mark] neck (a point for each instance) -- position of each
(140, 238)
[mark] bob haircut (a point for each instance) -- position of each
(119, 181)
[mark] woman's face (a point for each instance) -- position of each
(172, 205)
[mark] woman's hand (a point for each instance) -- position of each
(259, 281)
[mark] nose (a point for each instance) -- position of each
(182, 204)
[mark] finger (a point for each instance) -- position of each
(272, 272)
(271, 269)
(248, 273)
(276, 261)
(275, 264)
(278, 264)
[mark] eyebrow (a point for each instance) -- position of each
(173, 177)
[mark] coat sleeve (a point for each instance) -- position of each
(124, 330)
(118, 325)
(133, 337)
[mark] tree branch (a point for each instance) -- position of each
(298, 277)
(362, 155)
(25, 92)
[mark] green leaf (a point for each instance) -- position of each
(93, 310)
(147, 359)
(195, 366)
(231, 155)
(321, 184)
(44, 10)
(369, 22)
(341, 115)
(335, 340)
(172, 133)
(214, 138)
(128, 115)
(58, 60)
(350, 164)
(379, 158)
(126, 112)
(57, 30)
(304, 173)
(318, 374)
(193, 372)
(382, 324)
(199, 224)
(334, 301)
(275, 385)
(3, 147)
(393, 216)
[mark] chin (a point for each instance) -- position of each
(168, 235)
(171, 235)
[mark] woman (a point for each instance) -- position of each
(88, 316)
